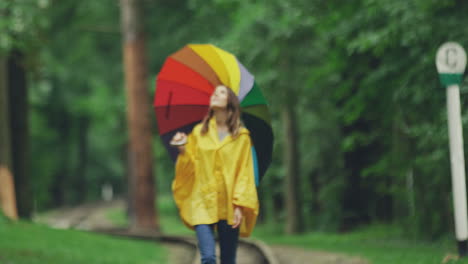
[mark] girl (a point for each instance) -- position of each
(214, 186)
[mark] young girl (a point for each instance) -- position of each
(214, 185)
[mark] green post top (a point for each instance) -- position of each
(451, 63)
(448, 79)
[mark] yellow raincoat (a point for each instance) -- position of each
(200, 171)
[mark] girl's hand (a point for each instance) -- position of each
(238, 215)
(179, 137)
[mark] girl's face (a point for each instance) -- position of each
(219, 98)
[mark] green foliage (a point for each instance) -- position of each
(78, 100)
(371, 114)
(21, 23)
(393, 110)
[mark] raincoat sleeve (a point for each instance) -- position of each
(245, 192)
(185, 172)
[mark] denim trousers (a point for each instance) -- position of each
(228, 238)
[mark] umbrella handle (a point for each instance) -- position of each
(168, 106)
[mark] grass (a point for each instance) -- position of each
(26, 243)
(380, 244)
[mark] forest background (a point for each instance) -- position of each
(358, 113)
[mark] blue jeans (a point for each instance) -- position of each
(228, 238)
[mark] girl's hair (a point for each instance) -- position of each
(233, 119)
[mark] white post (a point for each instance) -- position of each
(451, 63)
(457, 161)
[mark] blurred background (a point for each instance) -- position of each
(358, 113)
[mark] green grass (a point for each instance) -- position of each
(26, 243)
(379, 244)
(117, 217)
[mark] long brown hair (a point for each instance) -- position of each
(233, 121)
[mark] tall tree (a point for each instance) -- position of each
(142, 193)
(19, 108)
(7, 188)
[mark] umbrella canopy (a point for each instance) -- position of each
(183, 89)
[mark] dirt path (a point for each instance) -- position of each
(180, 254)
(85, 217)
(293, 255)
(245, 255)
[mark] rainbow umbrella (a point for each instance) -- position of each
(183, 89)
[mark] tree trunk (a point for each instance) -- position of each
(61, 120)
(138, 114)
(7, 186)
(291, 159)
(18, 108)
(81, 184)
(315, 204)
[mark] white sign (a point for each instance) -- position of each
(451, 58)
